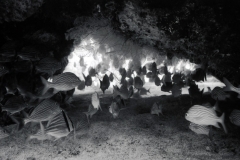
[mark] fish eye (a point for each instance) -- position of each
(186, 115)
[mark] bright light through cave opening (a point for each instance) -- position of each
(91, 54)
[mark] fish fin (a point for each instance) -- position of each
(55, 91)
(42, 128)
(87, 114)
(222, 122)
(100, 107)
(229, 86)
(209, 89)
(45, 83)
(84, 76)
(148, 90)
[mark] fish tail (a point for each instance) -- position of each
(148, 90)
(45, 83)
(229, 86)
(222, 122)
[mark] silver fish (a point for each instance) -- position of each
(91, 111)
(230, 87)
(14, 104)
(44, 111)
(205, 116)
(62, 82)
(59, 126)
(200, 129)
(235, 117)
(48, 65)
(96, 101)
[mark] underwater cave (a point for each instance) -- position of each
(124, 80)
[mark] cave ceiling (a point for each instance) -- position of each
(192, 29)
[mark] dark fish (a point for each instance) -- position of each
(177, 78)
(144, 70)
(105, 83)
(143, 91)
(218, 94)
(92, 72)
(157, 81)
(7, 51)
(81, 86)
(166, 78)
(154, 68)
(205, 116)
(123, 72)
(114, 109)
(88, 80)
(139, 71)
(150, 75)
(22, 66)
(111, 77)
(194, 91)
(123, 92)
(91, 111)
(176, 90)
(44, 111)
(235, 117)
(167, 87)
(130, 91)
(199, 74)
(137, 82)
(29, 54)
(48, 65)
(156, 109)
(14, 104)
(130, 81)
(62, 82)
(81, 61)
(129, 73)
(59, 126)
(3, 70)
(6, 59)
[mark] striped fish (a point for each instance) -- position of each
(205, 116)
(91, 111)
(62, 82)
(230, 87)
(59, 126)
(3, 133)
(96, 101)
(44, 111)
(235, 117)
(29, 54)
(14, 105)
(199, 129)
(3, 70)
(218, 93)
(48, 65)
(114, 109)
(156, 109)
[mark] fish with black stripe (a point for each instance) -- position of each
(59, 126)
(205, 116)
(62, 82)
